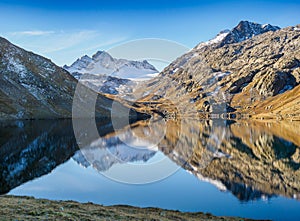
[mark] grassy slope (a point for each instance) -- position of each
(28, 208)
(285, 106)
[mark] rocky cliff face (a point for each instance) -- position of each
(32, 87)
(246, 30)
(251, 63)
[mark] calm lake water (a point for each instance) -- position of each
(247, 169)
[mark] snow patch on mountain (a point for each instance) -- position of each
(106, 74)
(243, 31)
(246, 30)
(103, 63)
(219, 38)
(16, 66)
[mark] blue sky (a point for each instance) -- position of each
(65, 30)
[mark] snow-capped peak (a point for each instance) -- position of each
(246, 30)
(243, 31)
(102, 56)
(106, 74)
(102, 63)
(215, 40)
(86, 58)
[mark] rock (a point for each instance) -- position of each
(274, 82)
(251, 63)
(32, 87)
(206, 106)
(246, 30)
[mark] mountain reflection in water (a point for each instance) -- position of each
(250, 159)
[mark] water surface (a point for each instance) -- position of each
(247, 169)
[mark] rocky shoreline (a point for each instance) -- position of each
(29, 208)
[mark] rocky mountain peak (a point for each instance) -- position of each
(106, 74)
(243, 31)
(146, 64)
(246, 72)
(3, 40)
(246, 30)
(102, 63)
(102, 56)
(86, 58)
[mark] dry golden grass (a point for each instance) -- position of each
(28, 208)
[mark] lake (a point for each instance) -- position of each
(227, 168)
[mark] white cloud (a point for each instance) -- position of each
(32, 33)
(64, 40)
(107, 43)
(64, 47)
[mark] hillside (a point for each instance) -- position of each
(32, 87)
(283, 106)
(234, 72)
(41, 209)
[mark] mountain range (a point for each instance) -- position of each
(243, 71)
(102, 63)
(33, 87)
(251, 70)
(106, 74)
